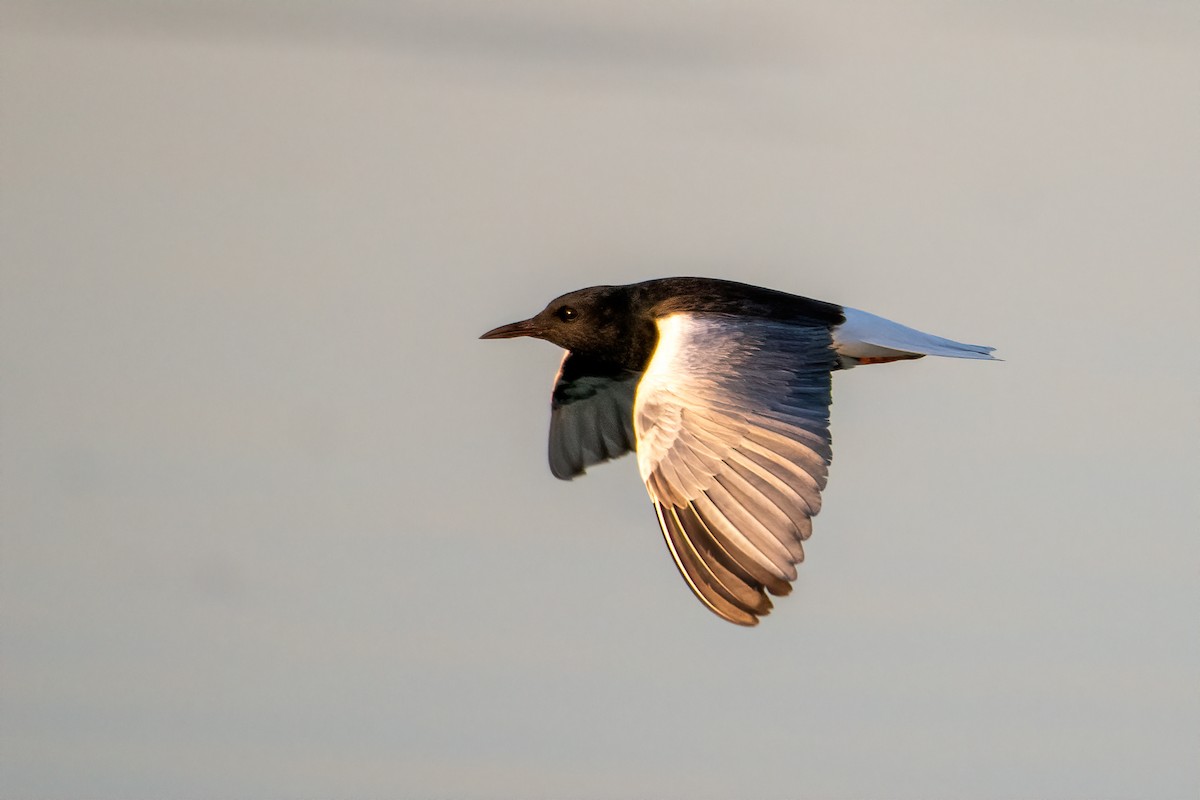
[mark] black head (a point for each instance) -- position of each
(599, 321)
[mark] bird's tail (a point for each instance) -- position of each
(867, 339)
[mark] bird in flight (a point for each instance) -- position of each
(723, 391)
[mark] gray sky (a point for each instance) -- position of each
(275, 523)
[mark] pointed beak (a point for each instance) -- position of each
(525, 327)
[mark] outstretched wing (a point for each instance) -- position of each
(732, 423)
(591, 415)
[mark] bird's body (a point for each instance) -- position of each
(723, 389)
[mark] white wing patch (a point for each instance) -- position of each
(732, 426)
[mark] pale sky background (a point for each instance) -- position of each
(276, 524)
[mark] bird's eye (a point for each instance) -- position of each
(566, 314)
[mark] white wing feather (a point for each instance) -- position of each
(732, 426)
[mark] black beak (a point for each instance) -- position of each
(526, 327)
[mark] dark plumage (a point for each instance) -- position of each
(723, 389)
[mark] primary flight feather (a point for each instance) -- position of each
(723, 390)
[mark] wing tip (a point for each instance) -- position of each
(699, 575)
(565, 472)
